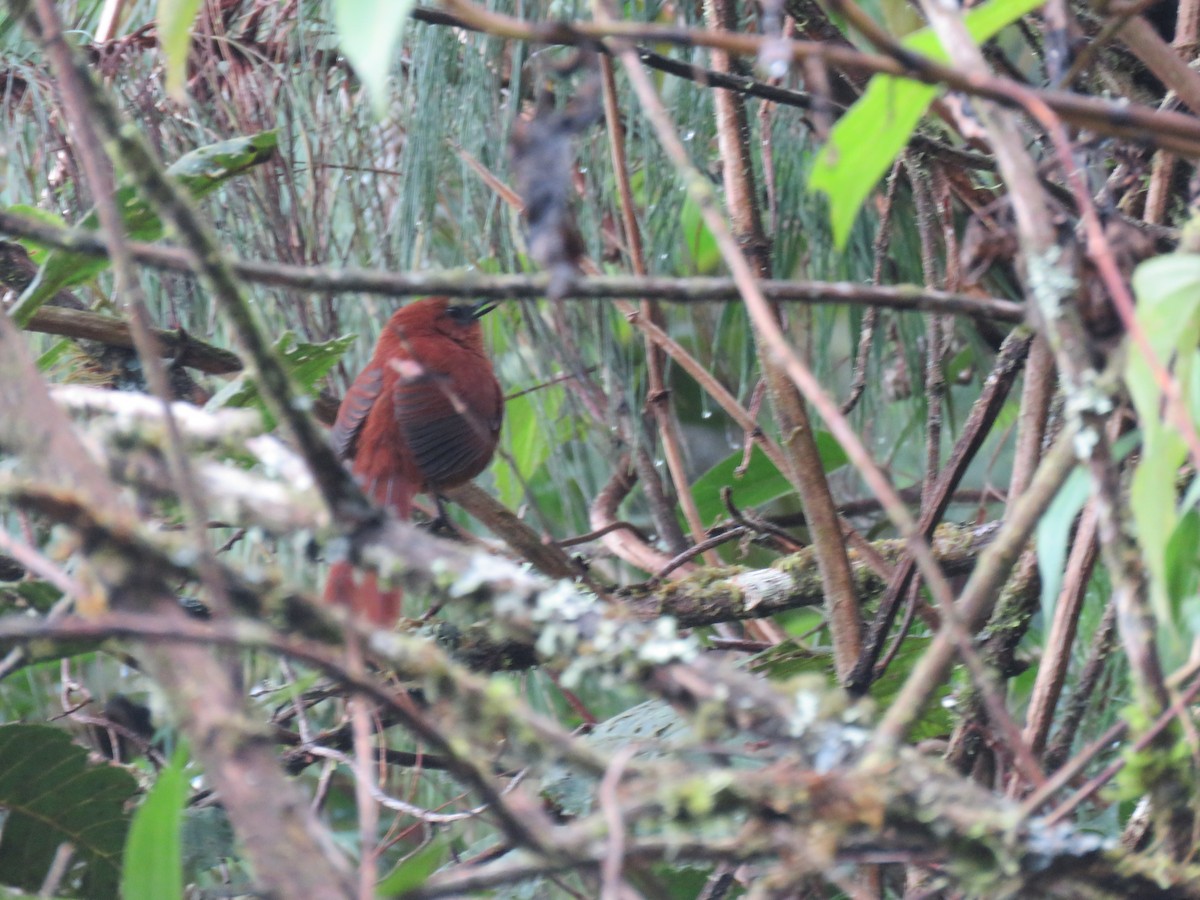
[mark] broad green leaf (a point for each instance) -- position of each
(37, 252)
(40, 595)
(937, 720)
(1152, 502)
(652, 726)
(200, 172)
(525, 431)
(867, 140)
(1168, 311)
(305, 363)
(414, 871)
(759, 484)
(789, 659)
(1183, 561)
(51, 796)
(308, 363)
(153, 867)
(367, 33)
(175, 18)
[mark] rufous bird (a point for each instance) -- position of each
(424, 415)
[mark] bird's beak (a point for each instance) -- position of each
(483, 308)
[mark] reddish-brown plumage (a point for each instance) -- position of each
(423, 415)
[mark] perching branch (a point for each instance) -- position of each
(319, 279)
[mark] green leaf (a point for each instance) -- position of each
(1168, 311)
(760, 483)
(525, 440)
(200, 172)
(175, 18)
(653, 727)
(305, 363)
(789, 659)
(153, 867)
(792, 658)
(207, 840)
(413, 871)
(367, 33)
(866, 141)
(1183, 561)
(40, 595)
(308, 363)
(53, 796)
(55, 354)
(1053, 534)
(701, 245)
(37, 251)
(937, 720)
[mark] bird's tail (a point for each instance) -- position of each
(359, 590)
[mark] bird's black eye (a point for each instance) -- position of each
(463, 315)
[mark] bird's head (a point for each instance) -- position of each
(456, 319)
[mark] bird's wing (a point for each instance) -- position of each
(450, 425)
(354, 410)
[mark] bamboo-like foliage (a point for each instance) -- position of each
(702, 636)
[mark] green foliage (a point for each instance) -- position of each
(1052, 537)
(413, 871)
(1167, 760)
(866, 141)
(367, 33)
(52, 796)
(40, 595)
(393, 195)
(529, 425)
(153, 868)
(653, 726)
(207, 840)
(1168, 311)
(306, 363)
(793, 658)
(199, 172)
(37, 252)
(701, 245)
(760, 483)
(175, 18)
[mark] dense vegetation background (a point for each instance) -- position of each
(883, 584)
